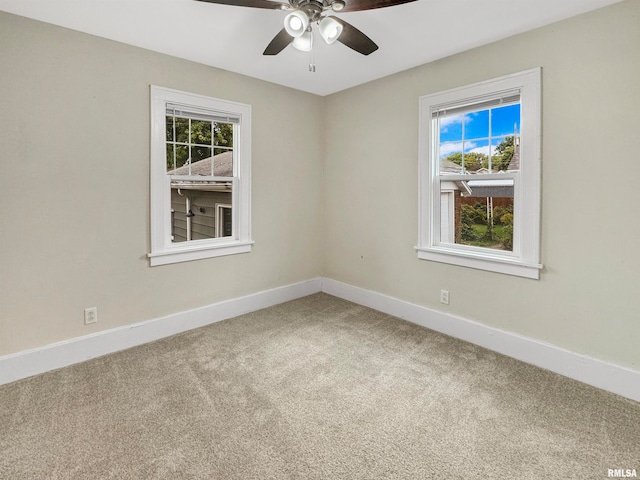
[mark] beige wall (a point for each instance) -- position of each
(588, 297)
(74, 186)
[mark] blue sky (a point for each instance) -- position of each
(476, 130)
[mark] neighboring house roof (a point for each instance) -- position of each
(447, 166)
(514, 163)
(482, 187)
(222, 166)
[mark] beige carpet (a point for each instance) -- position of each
(317, 388)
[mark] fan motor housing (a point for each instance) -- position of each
(314, 8)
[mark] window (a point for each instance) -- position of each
(200, 177)
(480, 175)
(223, 215)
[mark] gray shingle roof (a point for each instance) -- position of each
(514, 164)
(222, 166)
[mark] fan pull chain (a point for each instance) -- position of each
(312, 63)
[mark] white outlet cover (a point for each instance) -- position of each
(90, 315)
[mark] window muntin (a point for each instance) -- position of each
(200, 159)
(479, 181)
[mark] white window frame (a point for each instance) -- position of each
(524, 259)
(163, 250)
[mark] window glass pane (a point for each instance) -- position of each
(223, 163)
(181, 157)
(169, 128)
(503, 153)
(200, 132)
(194, 210)
(177, 156)
(450, 128)
(476, 124)
(478, 213)
(505, 120)
(219, 151)
(223, 135)
(181, 130)
(170, 164)
(450, 158)
(199, 155)
(476, 156)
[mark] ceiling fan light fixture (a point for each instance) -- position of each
(304, 42)
(338, 5)
(296, 23)
(330, 29)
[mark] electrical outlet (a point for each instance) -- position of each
(444, 297)
(90, 315)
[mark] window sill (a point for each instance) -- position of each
(489, 263)
(187, 254)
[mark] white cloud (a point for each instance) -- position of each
(484, 150)
(448, 148)
(447, 121)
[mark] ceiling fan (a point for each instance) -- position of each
(297, 24)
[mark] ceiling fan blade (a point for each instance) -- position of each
(354, 38)
(279, 43)
(252, 3)
(358, 5)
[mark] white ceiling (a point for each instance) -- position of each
(233, 38)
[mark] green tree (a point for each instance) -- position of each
(507, 239)
(473, 161)
(504, 153)
(499, 211)
(468, 218)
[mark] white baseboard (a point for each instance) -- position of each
(50, 357)
(607, 376)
